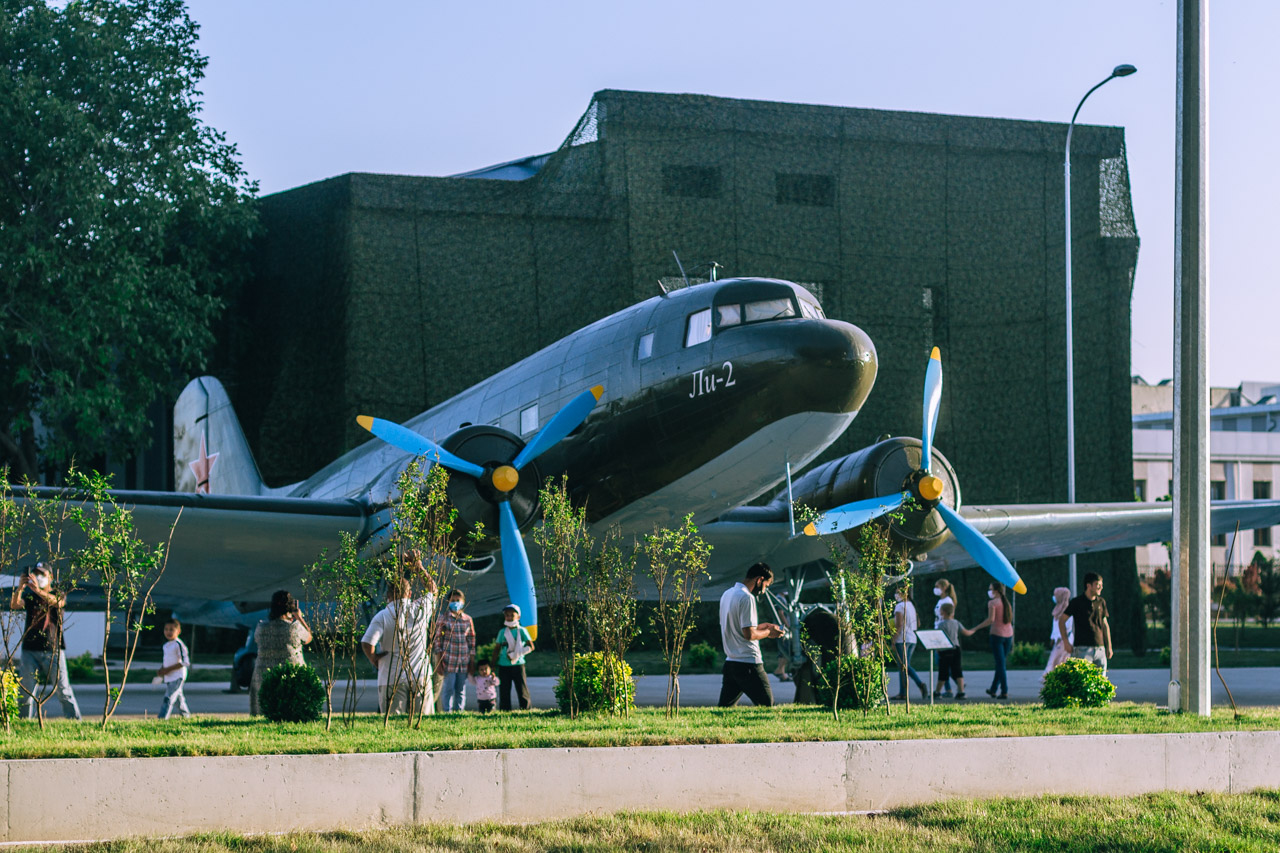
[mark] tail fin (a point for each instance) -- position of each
(210, 453)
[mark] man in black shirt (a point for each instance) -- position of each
(44, 657)
(1088, 613)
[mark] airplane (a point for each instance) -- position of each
(694, 401)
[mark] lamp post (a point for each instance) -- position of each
(1118, 71)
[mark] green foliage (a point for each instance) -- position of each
(1028, 654)
(601, 683)
(80, 668)
(1166, 656)
(702, 657)
(1076, 683)
(124, 222)
(860, 681)
(677, 563)
(485, 652)
(291, 693)
(610, 596)
(10, 695)
(1159, 602)
(1268, 605)
(566, 546)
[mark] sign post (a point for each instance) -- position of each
(934, 641)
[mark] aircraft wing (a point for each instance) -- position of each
(228, 547)
(1024, 532)
(1021, 532)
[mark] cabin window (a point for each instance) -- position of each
(529, 419)
(645, 348)
(769, 309)
(699, 328)
(811, 310)
(729, 315)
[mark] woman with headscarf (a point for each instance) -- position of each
(1061, 597)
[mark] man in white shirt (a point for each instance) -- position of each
(403, 669)
(740, 635)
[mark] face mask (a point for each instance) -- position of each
(42, 581)
(512, 623)
(991, 593)
(455, 606)
(937, 590)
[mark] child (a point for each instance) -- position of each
(486, 687)
(174, 671)
(514, 643)
(949, 660)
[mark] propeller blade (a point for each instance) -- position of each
(419, 445)
(515, 566)
(981, 549)
(565, 421)
(852, 514)
(932, 401)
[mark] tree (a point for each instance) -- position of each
(566, 545)
(610, 593)
(1268, 605)
(678, 566)
(124, 222)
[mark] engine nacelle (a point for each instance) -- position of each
(477, 500)
(884, 469)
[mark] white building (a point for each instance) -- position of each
(1244, 460)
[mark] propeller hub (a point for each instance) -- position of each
(930, 487)
(505, 478)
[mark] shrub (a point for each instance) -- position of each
(701, 657)
(485, 652)
(1076, 683)
(1027, 654)
(80, 668)
(601, 683)
(1166, 656)
(291, 693)
(9, 697)
(861, 685)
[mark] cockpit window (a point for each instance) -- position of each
(729, 315)
(769, 309)
(699, 328)
(811, 310)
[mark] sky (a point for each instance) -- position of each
(309, 89)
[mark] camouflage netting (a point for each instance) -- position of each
(389, 294)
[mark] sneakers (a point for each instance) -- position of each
(959, 694)
(991, 691)
(924, 691)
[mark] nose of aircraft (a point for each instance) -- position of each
(837, 364)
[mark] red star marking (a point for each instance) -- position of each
(202, 467)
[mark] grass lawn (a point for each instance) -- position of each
(1157, 822)
(206, 735)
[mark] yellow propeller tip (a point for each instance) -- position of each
(810, 530)
(1020, 588)
(935, 355)
(365, 421)
(597, 391)
(533, 632)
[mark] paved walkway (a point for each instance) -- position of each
(1254, 686)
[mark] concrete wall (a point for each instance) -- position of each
(53, 800)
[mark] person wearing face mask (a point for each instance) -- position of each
(946, 595)
(43, 647)
(1000, 621)
(740, 636)
(457, 643)
(1061, 597)
(513, 644)
(905, 623)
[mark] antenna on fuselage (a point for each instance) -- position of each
(680, 266)
(662, 287)
(714, 271)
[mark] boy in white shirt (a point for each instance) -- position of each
(173, 670)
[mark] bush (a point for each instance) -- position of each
(701, 657)
(80, 668)
(1076, 683)
(485, 653)
(9, 697)
(601, 683)
(862, 678)
(1166, 656)
(1027, 654)
(291, 693)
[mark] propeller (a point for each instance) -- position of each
(504, 479)
(929, 489)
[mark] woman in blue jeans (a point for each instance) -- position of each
(904, 641)
(1000, 621)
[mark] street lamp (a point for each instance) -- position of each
(1118, 71)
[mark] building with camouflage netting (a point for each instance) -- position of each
(388, 294)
